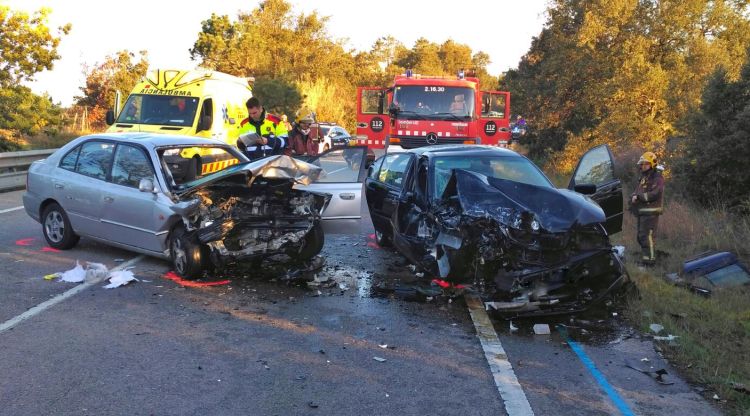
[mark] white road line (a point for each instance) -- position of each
(3, 211)
(61, 297)
(507, 384)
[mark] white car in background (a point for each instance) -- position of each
(331, 136)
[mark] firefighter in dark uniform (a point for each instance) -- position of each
(646, 204)
(261, 134)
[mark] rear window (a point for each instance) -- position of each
(95, 159)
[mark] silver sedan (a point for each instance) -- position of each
(196, 201)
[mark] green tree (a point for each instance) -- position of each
(116, 73)
(719, 144)
(26, 45)
(277, 96)
(272, 42)
(25, 113)
(624, 72)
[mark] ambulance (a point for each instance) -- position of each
(199, 102)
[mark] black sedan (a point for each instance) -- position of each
(490, 217)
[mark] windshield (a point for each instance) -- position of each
(433, 102)
(514, 168)
(162, 110)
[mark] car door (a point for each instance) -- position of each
(128, 214)
(344, 175)
(411, 222)
(384, 189)
(597, 167)
(79, 191)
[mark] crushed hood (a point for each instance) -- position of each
(556, 210)
(273, 167)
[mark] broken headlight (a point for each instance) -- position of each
(526, 221)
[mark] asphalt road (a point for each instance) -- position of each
(265, 343)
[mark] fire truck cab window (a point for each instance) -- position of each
(427, 102)
(370, 99)
(493, 105)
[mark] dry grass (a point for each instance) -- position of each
(43, 141)
(714, 333)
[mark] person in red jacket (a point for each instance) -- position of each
(301, 143)
(646, 204)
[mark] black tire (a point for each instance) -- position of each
(383, 239)
(185, 253)
(313, 244)
(57, 229)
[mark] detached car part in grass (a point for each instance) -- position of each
(491, 218)
(130, 191)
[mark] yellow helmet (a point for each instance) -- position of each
(648, 157)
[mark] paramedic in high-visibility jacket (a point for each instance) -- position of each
(268, 126)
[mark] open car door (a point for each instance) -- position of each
(344, 175)
(595, 176)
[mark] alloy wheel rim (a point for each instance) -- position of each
(54, 226)
(179, 256)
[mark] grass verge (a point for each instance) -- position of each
(714, 333)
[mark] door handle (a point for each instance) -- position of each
(108, 199)
(347, 195)
(59, 186)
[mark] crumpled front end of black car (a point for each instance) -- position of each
(531, 250)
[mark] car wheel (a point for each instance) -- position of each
(313, 243)
(57, 229)
(381, 238)
(185, 252)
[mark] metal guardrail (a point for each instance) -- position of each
(13, 167)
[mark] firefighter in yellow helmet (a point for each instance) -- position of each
(261, 134)
(646, 204)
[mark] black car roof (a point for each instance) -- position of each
(461, 150)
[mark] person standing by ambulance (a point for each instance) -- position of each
(272, 131)
(646, 204)
(300, 140)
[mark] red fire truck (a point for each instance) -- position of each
(425, 110)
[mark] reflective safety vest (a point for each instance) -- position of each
(270, 126)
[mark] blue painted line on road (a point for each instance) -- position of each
(598, 376)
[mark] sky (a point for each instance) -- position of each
(168, 29)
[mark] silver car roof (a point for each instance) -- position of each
(157, 139)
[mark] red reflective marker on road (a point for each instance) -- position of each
(24, 241)
(190, 283)
(47, 249)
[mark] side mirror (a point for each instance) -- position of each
(393, 110)
(146, 185)
(585, 188)
(205, 123)
(110, 117)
